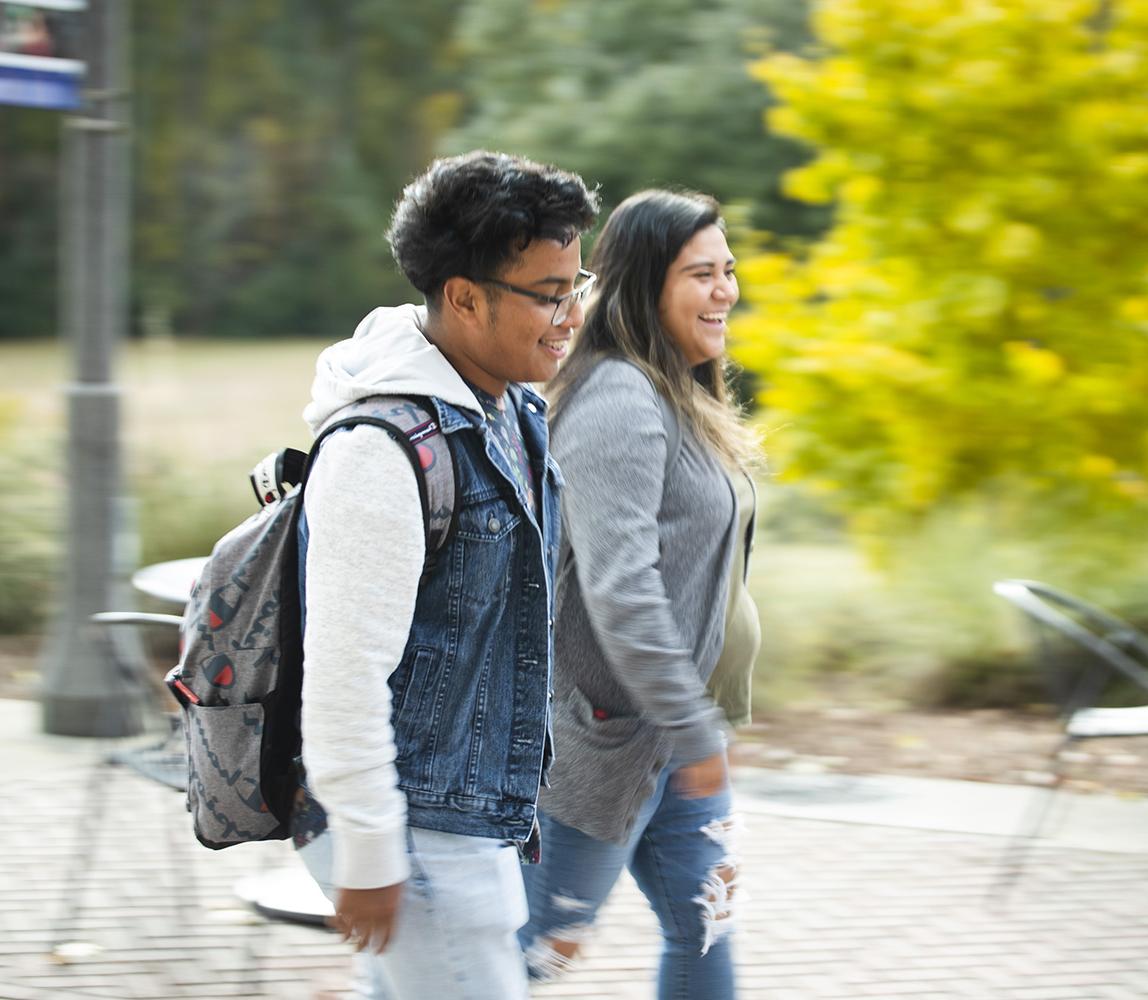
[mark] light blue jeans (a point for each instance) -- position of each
(681, 858)
(455, 936)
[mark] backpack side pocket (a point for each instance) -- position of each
(226, 801)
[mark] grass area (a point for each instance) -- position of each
(198, 415)
(195, 417)
(198, 402)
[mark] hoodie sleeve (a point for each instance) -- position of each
(611, 444)
(364, 559)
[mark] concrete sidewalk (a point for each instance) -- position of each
(853, 888)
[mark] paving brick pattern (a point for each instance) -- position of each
(101, 858)
(847, 911)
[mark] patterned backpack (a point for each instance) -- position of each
(240, 674)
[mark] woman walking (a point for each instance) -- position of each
(651, 448)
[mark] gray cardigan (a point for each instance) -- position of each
(640, 600)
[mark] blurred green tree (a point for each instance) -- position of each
(271, 143)
(634, 93)
(271, 137)
(975, 325)
(29, 189)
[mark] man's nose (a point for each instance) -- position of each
(576, 317)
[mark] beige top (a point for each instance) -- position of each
(731, 683)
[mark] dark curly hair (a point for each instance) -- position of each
(471, 215)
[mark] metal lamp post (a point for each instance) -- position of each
(85, 689)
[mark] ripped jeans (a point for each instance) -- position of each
(680, 857)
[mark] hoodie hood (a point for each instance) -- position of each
(388, 355)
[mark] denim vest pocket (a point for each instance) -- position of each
(415, 711)
(484, 552)
(409, 681)
(487, 521)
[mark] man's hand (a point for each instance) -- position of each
(703, 779)
(366, 917)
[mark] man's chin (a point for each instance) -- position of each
(539, 373)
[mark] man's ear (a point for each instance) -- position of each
(463, 300)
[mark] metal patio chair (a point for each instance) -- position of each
(164, 761)
(1081, 651)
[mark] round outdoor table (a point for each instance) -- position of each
(286, 894)
(169, 581)
(283, 894)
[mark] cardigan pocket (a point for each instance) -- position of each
(603, 771)
(598, 728)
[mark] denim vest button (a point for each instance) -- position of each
(532, 408)
(494, 524)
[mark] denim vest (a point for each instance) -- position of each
(470, 696)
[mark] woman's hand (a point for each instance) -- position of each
(703, 779)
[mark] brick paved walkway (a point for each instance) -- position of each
(836, 910)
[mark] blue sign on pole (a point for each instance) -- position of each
(39, 53)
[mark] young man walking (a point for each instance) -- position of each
(426, 675)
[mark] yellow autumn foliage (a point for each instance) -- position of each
(978, 313)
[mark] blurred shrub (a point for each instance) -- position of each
(29, 543)
(919, 625)
(182, 512)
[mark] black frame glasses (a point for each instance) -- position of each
(563, 304)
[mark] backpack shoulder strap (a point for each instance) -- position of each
(413, 425)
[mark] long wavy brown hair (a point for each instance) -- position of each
(635, 249)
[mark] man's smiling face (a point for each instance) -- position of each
(520, 343)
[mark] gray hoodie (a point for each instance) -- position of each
(366, 550)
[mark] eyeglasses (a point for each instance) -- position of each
(563, 304)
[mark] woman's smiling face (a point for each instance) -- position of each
(700, 290)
